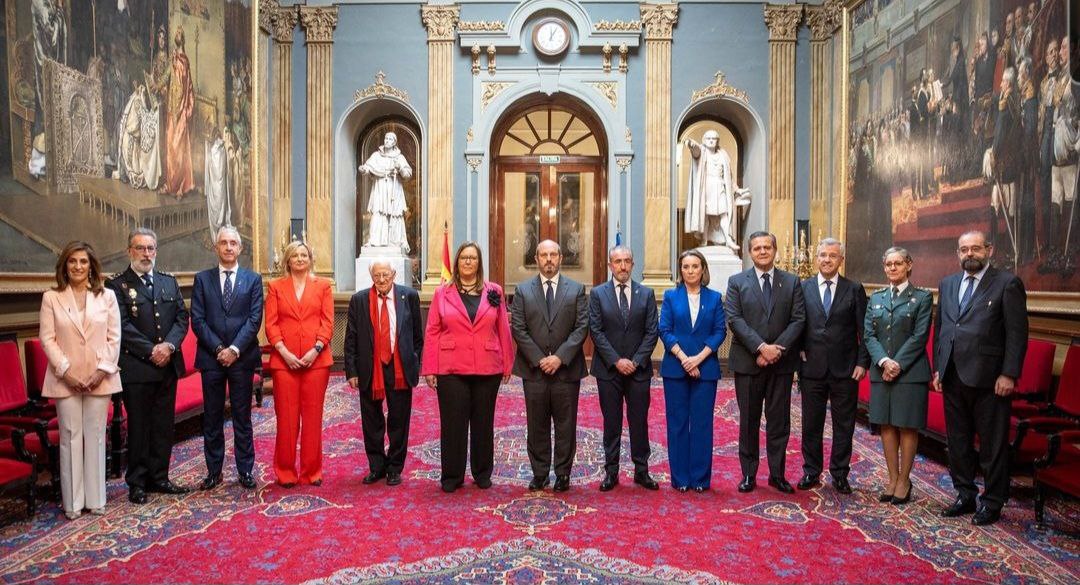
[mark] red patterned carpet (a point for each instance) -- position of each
(345, 532)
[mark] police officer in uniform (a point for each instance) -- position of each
(153, 323)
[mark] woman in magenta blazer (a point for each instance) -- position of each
(468, 353)
(80, 333)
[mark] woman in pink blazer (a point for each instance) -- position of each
(80, 333)
(468, 353)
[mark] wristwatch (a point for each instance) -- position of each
(319, 347)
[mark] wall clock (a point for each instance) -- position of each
(551, 36)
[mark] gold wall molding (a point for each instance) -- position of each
(266, 8)
(783, 22)
(658, 19)
(283, 21)
(475, 51)
(623, 161)
(623, 52)
(319, 23)
(606, 63)
(824, 19)
(481, 26)
(608, 89)
(440, 21)
(720, 88)
(618, 25)
(381, 89)
(490, 90)
(469, 135)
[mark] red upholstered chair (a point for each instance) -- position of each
(42, 434)
(1032, 432)
(36, 364)
(1057, 471)
(17, 466)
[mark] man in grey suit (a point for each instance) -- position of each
(622, 322)
(766, 313)
(980, 338)
(549, 320)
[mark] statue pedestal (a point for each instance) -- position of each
(723, 263)
(389, 254)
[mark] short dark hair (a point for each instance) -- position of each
(95, 282)
(761, 234)
(704, 266)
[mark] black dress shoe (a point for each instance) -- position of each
(316, 482)
(646, 481)
(959, 508)
(393, 478)
(747, 484)
(247, 481)
(984, 516)
(682, 489)
(781, 485)
(885, 498)
(562, 483)
(700, 489)
(451, 487)
(211, 481)
(809, 482)
(610, 481)
(841, 484)
(373, 477)
(136, 495)
(167, 487)
(483, 483)
(538, 483)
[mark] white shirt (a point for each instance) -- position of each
(761, 281)
(554, 285)
(821, 286)
(391, 313)
(694, 300)
(221, 283)
(140, 274)
(629, 289)
(978, 278)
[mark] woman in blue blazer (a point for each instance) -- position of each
(692, 328)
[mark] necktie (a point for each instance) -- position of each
(227, 292)
(624, 305)
(964, 300)
(895, 293)
(148, 281)
(766, 290)
(827, 300)
(549, 296)
(384, 332)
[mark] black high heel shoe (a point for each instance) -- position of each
(901, 501)
(885, 498)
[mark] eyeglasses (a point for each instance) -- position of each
(144, 249)
(382, 276)
(468, 259)
(971, 249)
(895, 264)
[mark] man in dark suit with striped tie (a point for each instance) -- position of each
(622, 322)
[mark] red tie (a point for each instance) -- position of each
(384, 332)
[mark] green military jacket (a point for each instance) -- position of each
(899, 329)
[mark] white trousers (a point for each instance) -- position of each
(83, 420)
(1063, 184)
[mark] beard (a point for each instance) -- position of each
(972, 264)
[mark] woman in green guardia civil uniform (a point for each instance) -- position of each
(896, 328)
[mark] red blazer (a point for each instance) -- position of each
(300, 323)
(453, 344)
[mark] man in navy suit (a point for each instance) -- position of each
(622, 322)
(766, 313)
(980, 338)
(833, 361)
(383, 364)
(226, 313)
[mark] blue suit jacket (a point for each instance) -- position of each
(613, 338)
(239, 325)
(709, 330)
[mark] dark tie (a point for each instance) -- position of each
(766, 290)
(895, 293)
(384, 331)
(148, 281)
(964, 300)
(624, 306)
(227, 292)
(827, 300)
(549, 296)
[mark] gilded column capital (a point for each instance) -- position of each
(783, 21)
(319, 23)
(824, 19)
(440, 20)
(658, 20)
(282, 22)
(266, 7)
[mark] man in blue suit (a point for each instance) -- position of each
(226, 313)
(622, 322)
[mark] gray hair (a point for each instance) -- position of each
(1009, 75)
(558, 248)
(897, 250)
(228, 229)
(141, 231)
(380, 262)
(830, 242)
(619, 248)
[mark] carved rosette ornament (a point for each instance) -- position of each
(719, 88)
(474, 161)
(283, 23)
(319, 23)
(440, 20)
(623, 161)
(658, 20)
(824, 20)
(380, 89)
(783, 21)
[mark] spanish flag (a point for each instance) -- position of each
(446, 275)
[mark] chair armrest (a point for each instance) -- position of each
(1047, 424)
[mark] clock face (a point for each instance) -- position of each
(551, 36)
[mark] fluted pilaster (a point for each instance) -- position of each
(282, 22)
(440, 20)
(319, 23)
(783, 21)
(658, 21)
(823, 21)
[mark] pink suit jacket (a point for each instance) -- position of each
(454, 344)
(80, 346)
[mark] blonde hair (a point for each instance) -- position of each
(291, 250)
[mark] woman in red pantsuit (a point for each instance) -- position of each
(299, 325)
